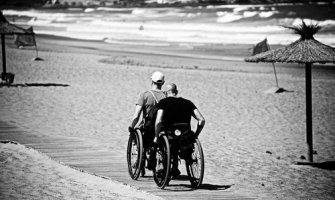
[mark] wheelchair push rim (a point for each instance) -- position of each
(196, 167)
(161, 170)
(135, 154)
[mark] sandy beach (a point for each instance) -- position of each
(251, 140)
(29, 174)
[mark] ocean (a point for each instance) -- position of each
(184, 26)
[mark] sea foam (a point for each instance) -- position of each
(214, 24)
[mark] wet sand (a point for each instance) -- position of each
(251, 140)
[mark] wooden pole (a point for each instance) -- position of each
(3, 53)
(36, 51)
(274, 70)
(273, 64)
(309, 120)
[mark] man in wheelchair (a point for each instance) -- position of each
(174, 117)
(146, 106)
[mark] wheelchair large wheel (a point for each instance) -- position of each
(163, 162)
(195, 166)
(134, 154)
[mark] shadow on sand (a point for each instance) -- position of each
(188, 187)
(276, 90)
(173, 186)
(33, 85)
(207, 186)
(328, 165)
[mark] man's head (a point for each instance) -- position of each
(158, 78)
(171, 89)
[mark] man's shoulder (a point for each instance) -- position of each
(144, 96)
(174, 100)
(154, 92)
(184, 100)
(157, 91)
(146, 93)
(166, 101)
(187, 102)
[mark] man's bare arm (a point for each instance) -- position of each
(201, 121)
(136, 116)
(158, 123)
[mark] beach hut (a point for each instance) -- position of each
(7, 28)
(305, 50)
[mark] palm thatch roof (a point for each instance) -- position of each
(9, 29)
(304, 50)
(307, 51)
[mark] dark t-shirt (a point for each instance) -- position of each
(176, 110)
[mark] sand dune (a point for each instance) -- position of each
(28, 174)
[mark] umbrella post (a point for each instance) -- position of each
(3, 53)
(309, 120)
(274, 70)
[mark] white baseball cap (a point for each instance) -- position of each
(157, 77)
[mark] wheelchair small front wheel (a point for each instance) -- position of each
(162, 167)
(195, 165)
(134, 154)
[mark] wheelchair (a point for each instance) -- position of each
(138, 153)
(178, 139)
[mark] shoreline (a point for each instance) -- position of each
(231, 60)
(153, 5)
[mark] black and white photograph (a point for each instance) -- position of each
(167, 99)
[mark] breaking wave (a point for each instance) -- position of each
(213, 24)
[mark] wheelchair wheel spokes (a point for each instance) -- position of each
(196, 166)
(162, 158)
(134, 154)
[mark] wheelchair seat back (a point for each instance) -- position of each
(181, 137)
(178, 129)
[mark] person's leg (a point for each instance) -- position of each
(175, 171)
(149, 135)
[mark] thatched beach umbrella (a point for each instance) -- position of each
(7, 28)
(305, 50)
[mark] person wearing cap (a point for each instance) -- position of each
(145, 105)
(173, 110)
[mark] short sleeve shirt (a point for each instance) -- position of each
(147, 100)
(176, 110)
